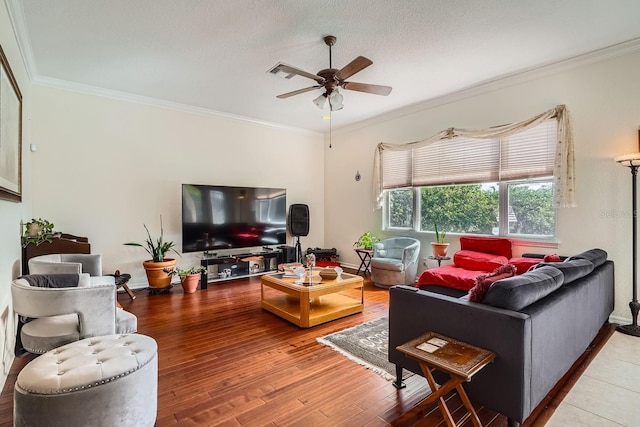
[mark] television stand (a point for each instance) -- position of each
(236, 266)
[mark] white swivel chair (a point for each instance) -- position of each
(60, 315)
(395, 262)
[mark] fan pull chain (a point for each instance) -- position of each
(330, 120)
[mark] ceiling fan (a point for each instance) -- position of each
(331, 79)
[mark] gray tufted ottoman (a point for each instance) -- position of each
(101, 381)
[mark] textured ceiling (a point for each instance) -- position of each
(214, 54)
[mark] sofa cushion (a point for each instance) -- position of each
(392, 264)
(473, 260)
(596, 256)
(484, 281)
(489, 245)
(517, 292)
(523, 264)
(571, 269)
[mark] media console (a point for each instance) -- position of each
(228, 267)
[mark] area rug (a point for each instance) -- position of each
(366, 344)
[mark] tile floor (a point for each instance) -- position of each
(608, 393)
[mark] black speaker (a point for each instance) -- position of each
(288, 254)
(298, 220)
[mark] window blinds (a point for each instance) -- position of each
(461, 160)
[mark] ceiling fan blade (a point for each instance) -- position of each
(292, 70)
(355, 66)
(368, 88)
(297, 92)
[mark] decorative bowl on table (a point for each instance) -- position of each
(330, 273)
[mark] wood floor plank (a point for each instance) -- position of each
(223, 361)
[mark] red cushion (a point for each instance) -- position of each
(524, 264)
(552, 258)
(484, 282)
(449, 276)
(490, 245)
(472, 260)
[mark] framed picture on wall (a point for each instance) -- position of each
(10, 133)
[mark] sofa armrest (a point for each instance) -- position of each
(410, 253)
(503, 385)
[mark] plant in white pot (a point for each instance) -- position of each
(37, 231)
(189, 277)
(158, 249)
(439, 247)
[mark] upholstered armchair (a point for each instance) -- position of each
(63, 308)
(395, 262)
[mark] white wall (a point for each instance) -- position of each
(604, 101)
(104, 167)
(12, 213)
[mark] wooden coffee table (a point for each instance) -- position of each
(310, 305)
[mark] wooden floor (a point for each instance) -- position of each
(223, 361)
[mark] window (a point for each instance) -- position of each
(494, 186)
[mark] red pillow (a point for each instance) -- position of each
(484, 282)
(552, 258)
(472, 260)
(488, 245)
(524, 264)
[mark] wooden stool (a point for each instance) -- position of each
(455, 358)
(122, 281)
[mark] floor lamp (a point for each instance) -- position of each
(632, 161)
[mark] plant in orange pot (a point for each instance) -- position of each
(156, 276)
(190, 277)
(439, 246)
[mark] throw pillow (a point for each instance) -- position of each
(472, 260)
(552, 258)
(524, 264)
(484, 282)
(58, 280)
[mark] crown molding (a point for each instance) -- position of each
(159, 103)
(501, 82)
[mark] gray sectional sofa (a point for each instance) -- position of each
(538, 324)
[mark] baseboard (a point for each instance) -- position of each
(620, 320)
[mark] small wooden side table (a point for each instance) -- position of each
(440, 259)
(455, 358)
(365, 260)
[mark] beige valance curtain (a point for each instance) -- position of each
(564, 168)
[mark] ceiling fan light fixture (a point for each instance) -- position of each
(335, 101)
(320, 101)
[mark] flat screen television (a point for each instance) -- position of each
(216, 217)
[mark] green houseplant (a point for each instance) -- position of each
(37, 231)
(366, 241)
(158, 249)
(439, 247)
(189, 277)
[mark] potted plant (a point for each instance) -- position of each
(158, 249)
(366, 241)
(37, 231)
(439, 246)
(190, 277)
